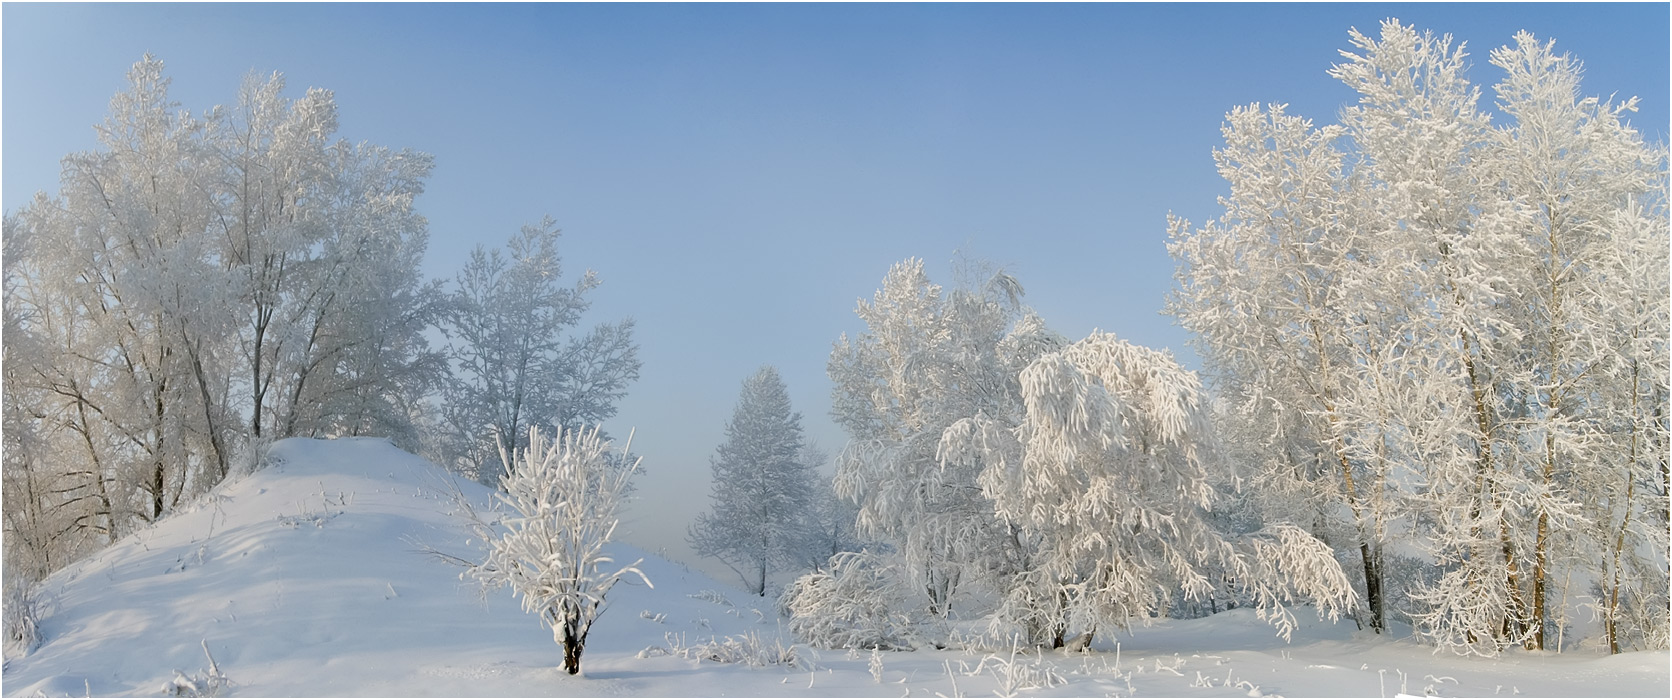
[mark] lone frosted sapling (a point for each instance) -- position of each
(566, 494)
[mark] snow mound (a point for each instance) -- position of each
(309, 577)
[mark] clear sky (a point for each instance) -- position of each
(740, 175)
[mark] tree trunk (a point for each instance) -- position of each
(216, 440)
(1515, 619)
(159, 467)
(257, 388)
(939, 588)
(1625, 520)
(1540, 551)
(572, 656)
(1554, 409)
(574, 642)
(102, 494)
(1372, 578)
(1373, 586)
(1513, 623)
(1372, 570)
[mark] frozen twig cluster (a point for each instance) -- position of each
(747, 649)
(203, 684)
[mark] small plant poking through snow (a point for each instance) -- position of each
(21, 615)
(710, 596)
(1015, 675)
(205, 684)
(747, 649)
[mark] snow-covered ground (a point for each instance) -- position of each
(309, 578)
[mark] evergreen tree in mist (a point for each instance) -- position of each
(763, 486)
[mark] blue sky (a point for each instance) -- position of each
(740, 175)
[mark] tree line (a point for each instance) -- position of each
(1435, 391)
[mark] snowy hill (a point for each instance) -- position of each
(308, 578)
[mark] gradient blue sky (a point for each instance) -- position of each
(740, 175)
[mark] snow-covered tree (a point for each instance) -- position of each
(349, 352)
(1629, 504)
(40, 503)
(1575, 179)
(566, 495)
(513, 364)
(1268, 290)
(762, 490)
(271, 196)
(1112, 483)
(929, 360)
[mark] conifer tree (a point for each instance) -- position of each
(762, 488)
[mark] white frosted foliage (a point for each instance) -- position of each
(565, 498)
(1113, 482)
(931, 366)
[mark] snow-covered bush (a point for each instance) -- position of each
(253, 456)
(850, 606)
(566, 495)
(712, 596)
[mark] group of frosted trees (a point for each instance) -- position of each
(203, 284)
(1071, 487)
(1443, 341)
(1438, 351)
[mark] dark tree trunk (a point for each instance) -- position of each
(572, 647)
(1373, 588)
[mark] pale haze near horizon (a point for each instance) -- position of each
(739, 176)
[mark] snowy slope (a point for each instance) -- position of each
(307, 579)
